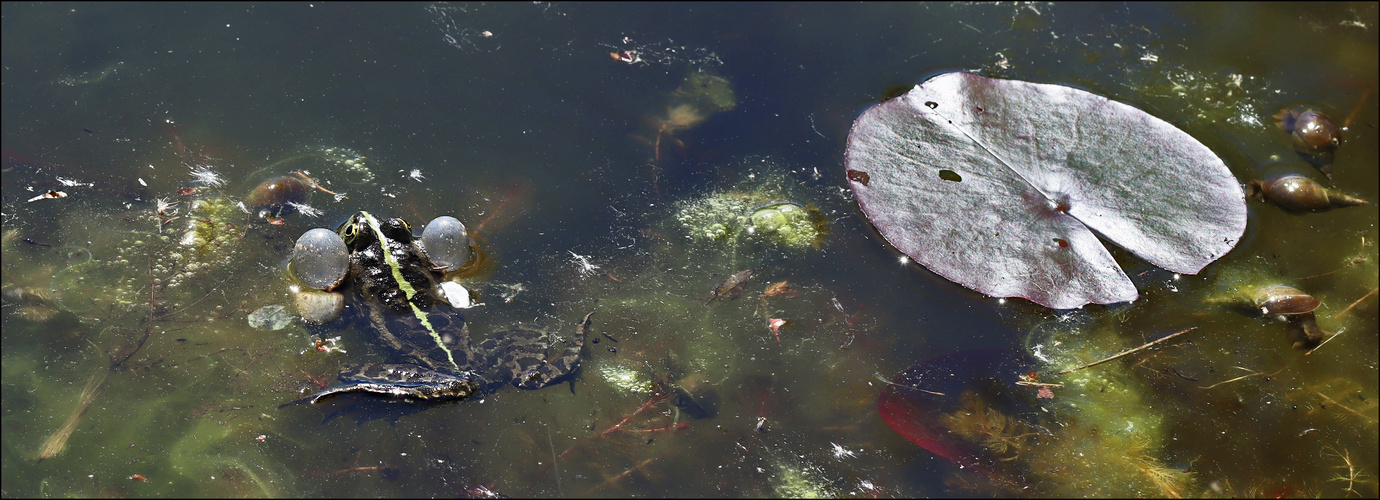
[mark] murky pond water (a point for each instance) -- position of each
(626, 160)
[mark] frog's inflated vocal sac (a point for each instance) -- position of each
(393, 281)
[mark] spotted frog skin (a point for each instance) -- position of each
(395, 293)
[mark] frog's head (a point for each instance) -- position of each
(356, 232)
(359, 231)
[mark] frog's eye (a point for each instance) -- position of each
(348, 231)
(396, 229)
(446, 243)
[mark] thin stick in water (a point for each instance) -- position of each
(1325, 341)
(1354, 304)
(1243, 377)
(1128, 351)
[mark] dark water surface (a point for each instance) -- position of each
(594, 183)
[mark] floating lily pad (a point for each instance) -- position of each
(1004, 186)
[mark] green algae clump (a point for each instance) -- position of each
(760, 215)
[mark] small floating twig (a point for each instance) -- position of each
(878, 376)
(1354, 304)
(1243, 377)
(1326, 340)
(370, 468)
(1128, 352)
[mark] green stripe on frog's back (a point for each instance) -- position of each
(407, 287)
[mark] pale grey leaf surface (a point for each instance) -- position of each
(1042, 167)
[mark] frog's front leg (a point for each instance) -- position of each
(531, 369)
(405, 382)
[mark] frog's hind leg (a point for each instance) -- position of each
(531, 369)
(402, 382)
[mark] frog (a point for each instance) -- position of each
(397, 298)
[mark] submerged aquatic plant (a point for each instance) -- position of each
(1350, 473)
(57, 441)
(1005, 438)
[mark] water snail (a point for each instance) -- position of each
(1313, 134)
(1291, 305)
(1296, 193)
(1311, 131)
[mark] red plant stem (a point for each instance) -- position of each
(512, 191)
(648, 404)
(1357, 109)
(655, 399)
(314, 380)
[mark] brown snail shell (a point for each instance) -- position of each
(318, 307)
(1276, 300)
(1300, 194)
(1311, 130)
(1312, 133)
(273, 196)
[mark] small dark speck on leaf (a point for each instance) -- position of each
(950, 175)
(932, 104)
(858, 176)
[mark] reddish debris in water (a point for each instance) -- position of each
(780, 288)
(775, 324)
(52, 193)
(627, 56)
